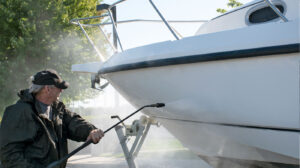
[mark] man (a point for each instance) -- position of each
(34, 131)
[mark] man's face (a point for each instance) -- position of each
(54, 93)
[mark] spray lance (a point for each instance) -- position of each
(58, 162)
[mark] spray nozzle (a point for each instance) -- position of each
(157, 105)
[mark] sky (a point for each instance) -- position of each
(138, 34)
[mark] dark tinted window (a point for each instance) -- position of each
(264, 14)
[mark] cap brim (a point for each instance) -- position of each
(62, 85)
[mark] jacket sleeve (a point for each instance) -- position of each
(17, 129)
(78, 129)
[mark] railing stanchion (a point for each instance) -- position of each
(115, 28)
(161, 16)
(276, 10)
(91, 42)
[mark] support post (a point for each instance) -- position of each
(114, 16)
(123, 138)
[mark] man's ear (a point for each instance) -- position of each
(47, 89)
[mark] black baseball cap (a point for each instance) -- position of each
(49, 77)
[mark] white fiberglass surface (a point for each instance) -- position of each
(262, 91)
(236, 142)
(272, 34)
(239, 17)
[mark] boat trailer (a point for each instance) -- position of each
(138, 129)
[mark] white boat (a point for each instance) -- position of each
(234, 101)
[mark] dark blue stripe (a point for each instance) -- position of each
(255, 52)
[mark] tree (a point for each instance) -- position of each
(35, 35)
(230, 4)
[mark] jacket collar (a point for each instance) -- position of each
(27, 97)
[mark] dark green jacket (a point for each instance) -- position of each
(30, 140)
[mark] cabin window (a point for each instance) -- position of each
(264, 14)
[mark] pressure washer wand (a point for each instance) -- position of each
(58, 162)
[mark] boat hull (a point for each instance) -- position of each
(239, 108)
(236, 99)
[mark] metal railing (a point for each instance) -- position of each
(74, 21)
(114, 24)
(276, 10)
(77, 22)
(164, 20)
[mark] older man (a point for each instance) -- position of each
(34, 131)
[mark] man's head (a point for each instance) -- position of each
(47, 85)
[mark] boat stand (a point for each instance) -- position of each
(139, 129)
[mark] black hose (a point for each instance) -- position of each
(58, 162)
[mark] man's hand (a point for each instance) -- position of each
(95, 135)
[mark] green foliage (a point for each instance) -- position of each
(35, 35)
(221, 10)
(230, 4)
(234, 4)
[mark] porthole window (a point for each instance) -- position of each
(264, 14)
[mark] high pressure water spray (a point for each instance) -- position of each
(58, 162)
